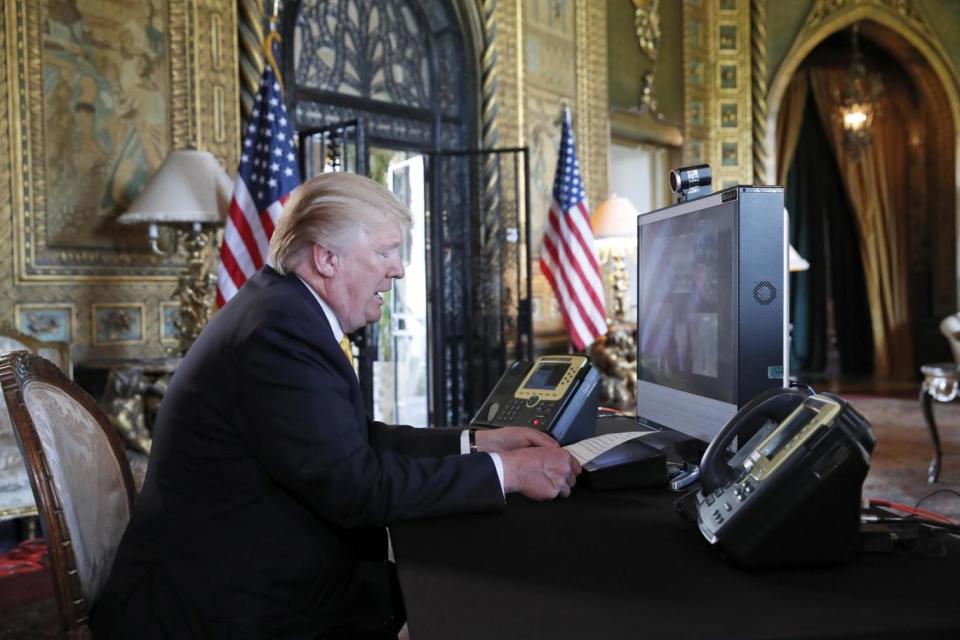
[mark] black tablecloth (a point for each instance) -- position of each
(624, 565)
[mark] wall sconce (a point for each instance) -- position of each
(189, 194)
(614, 225)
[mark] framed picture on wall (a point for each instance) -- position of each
(117, 323)
(47, 322)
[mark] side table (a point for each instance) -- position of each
(940, 383)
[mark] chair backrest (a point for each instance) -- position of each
(79, 474)
(950, 328)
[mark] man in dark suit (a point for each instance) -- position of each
(268, 489)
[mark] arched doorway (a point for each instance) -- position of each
(402, 78)
(910, 286)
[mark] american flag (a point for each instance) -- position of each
(568, 257)
(268, 173)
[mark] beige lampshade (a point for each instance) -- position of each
(616, 217)
(189, 187)
(796, 262)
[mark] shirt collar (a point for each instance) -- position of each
(331, 316)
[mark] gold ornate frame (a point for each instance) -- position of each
(203, 112)
(69, 308)
(202, 62)
(164, 307)
(97, 306)
(716, 71)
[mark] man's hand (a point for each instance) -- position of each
(540, 473)
(510, 438)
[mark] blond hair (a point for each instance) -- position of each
(332, 209)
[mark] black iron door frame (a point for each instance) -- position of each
(470, 350)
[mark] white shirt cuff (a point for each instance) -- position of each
(497, 462)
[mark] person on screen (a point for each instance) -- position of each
(694, 341)
(268, 489)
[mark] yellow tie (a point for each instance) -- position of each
(347, 349)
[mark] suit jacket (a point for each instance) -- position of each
(268, 488)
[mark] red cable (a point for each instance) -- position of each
(611, 410)
(923, 513)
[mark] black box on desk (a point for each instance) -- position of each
(629, 465)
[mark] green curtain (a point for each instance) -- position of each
(823, 231)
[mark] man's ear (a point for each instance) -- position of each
(325, 260)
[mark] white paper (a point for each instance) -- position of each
(586, 450)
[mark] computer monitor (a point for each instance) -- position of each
(712, 308)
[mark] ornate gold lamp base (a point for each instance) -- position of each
(615, 355)
(195, 289)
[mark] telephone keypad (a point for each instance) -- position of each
(508, 413)
(517, 411)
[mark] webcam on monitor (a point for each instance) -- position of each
(690, 183)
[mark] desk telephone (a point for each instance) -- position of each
(791, 495)
(557, 394)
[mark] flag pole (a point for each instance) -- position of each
(268, 42)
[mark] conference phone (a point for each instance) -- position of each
(557, 394)
(790, 496)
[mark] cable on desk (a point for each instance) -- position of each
(921, 514)
(933, 493)
(611, 412)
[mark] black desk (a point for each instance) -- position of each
(623, 565)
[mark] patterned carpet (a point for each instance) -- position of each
(898, 470)
(898, 473)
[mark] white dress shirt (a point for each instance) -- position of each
(338, 335)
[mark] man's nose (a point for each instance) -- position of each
(396, 269)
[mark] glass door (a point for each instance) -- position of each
(401, 372)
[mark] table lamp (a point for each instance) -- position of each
(796, 262)
(190, 194)
(614, 225)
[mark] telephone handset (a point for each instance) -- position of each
(557, 394)
(790, 496)
(767, 409)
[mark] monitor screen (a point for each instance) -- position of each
(687, 332)
(711, 308)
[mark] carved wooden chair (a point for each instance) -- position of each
(80, 478)
(16, 498)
